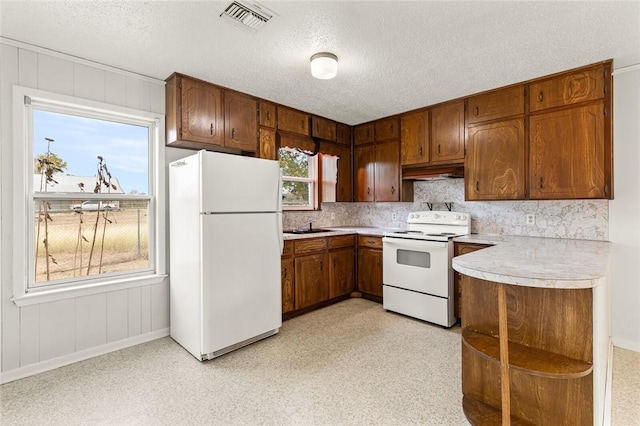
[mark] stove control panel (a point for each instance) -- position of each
(440, 218)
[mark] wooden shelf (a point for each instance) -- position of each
(530, 360)
(480, 414)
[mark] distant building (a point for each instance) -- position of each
(71, 184)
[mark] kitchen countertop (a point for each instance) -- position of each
(341, 230)
(536, 262)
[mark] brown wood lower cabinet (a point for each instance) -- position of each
(316, 272)
(460, 249)
(370, 267)
(527, 354)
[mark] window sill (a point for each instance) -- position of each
(43, 296)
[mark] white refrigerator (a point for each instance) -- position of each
(225, 246)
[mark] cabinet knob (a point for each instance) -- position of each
(393, 189)
(476, 111)
(211, 129)
(368, 190)
(540, 96)
(233, 133)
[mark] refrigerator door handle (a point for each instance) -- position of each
(280, 232)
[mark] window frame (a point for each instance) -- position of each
(312, 179)
(26, 292)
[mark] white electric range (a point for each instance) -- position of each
(417, 273)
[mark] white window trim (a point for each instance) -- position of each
(312, 179)
(22, 158)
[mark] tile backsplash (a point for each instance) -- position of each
(580, 219)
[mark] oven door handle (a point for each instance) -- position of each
(417, 244)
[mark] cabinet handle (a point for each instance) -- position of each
(420, 151)
(393, 189)
(540, 96)
(368, 190)
(321, 265)
(540, 183)
(233, 133)
(477, 111)
(285, 273)
(334, 264)
(211, 129)
(302, 123)
(378, 261)
(268, 115)
(477, 186)
(392, 128)
(438, 149)
(367, 132)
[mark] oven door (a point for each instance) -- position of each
(417, 265)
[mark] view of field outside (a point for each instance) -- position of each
(78, 155)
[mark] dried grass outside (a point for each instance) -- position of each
(121, 252)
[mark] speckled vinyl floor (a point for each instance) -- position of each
(348, 364)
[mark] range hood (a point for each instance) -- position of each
(451, 171)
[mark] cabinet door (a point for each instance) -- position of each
(267, 114)
(495, 164)
(386, 129)
(414, 137)
(567, 154)
(496, 104)
(268, 144)
(311, 280)
(447, 133)
(387, 171)
(202, 117)
(370, 271)
(343, 134)
(568, 89)
(292, 121)
(460, 249)
(344, 187)
(241, 121)
(363, 134)
(323, 129)
(288, 289)
(342, 279)
(364, 173)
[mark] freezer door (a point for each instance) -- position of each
(241, 278)
(234, 183)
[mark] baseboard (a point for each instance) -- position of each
(51, 364)
(626, 344)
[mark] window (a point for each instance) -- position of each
(90, 179)
(299, 179)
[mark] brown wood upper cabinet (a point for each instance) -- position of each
(495, 167)
(267, 114)
(363, 134)
(240, 121)
(323, 128)
(195, 115)
(447, 133)
(414, 137)
(343, 134)
(293, 121)
(496, 104)
(377, 172)
(386, 129)
(570, 137)
(580, 86)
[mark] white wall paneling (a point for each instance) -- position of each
(47, 335)
(624, 225)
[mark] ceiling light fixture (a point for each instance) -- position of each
(324, 65)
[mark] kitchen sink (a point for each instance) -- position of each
(306, 231)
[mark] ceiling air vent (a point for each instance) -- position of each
(251, 17)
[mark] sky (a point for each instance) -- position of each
(79, 141)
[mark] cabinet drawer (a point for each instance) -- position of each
(292, 121)
(497, 104)
(310, 245)
(342, 241)
(567, 89)
(386, 129)
(368, 241)
(288, 248)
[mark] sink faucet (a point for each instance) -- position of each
(303, 227)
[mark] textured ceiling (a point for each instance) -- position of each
(394, 56)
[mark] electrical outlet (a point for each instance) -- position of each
(394, 216)
(531, 219)
(333, 216)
